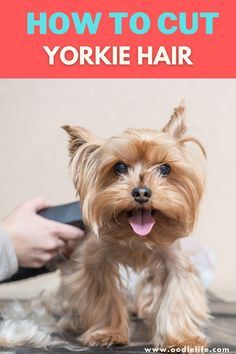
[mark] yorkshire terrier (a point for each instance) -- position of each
(140, 193)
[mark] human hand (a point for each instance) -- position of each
(37, 240)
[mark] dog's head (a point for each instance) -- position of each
(143, 183)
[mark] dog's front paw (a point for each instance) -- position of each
(194, 344)
(102, 339)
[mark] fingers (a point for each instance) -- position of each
(67, 232)
(36, 204)
(51, 249)
(61, 244)
(63, 231)
(42, 259)
(53, 244)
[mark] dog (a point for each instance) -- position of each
(140, 194)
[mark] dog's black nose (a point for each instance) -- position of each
(141, 194)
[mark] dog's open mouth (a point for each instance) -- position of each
(142, 221)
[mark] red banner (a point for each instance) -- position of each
(117, 39)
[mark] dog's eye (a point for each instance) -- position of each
(164, 169)
(120, 168)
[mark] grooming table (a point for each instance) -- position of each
(221, 331)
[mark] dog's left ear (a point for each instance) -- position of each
(79, 136)
(176, 126)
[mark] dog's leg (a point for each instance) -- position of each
(148, 291)
(94, 290)
(182, 308)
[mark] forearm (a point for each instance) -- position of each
(8, 259)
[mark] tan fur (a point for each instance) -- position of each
(170, 295)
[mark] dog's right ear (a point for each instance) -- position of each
(78, 136)
(176, 126)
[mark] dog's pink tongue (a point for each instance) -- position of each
(141, 221)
